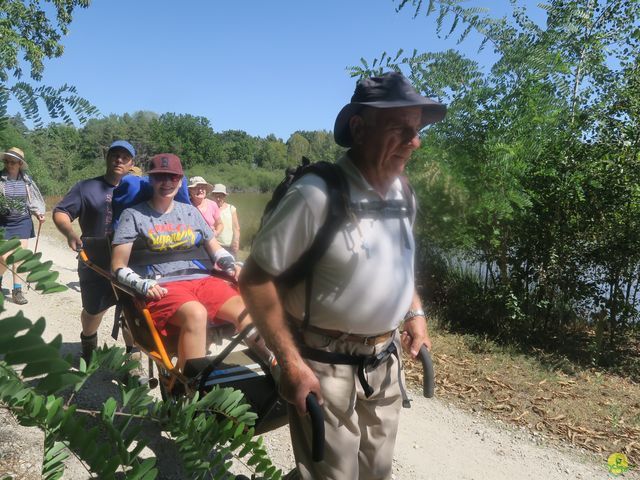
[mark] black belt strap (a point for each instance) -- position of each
(362, 361)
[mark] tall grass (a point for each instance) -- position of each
(250, 207)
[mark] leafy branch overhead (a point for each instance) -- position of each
(30, 34)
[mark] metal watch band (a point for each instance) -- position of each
(414, 313)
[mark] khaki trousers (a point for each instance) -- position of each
(360, 432)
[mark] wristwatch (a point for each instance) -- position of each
(414, 313)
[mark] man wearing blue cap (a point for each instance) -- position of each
(90, 202)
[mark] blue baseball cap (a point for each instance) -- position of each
(123, 144)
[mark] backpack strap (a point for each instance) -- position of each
(337, 212)
(410, 197)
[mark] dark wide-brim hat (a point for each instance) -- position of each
(389, 90)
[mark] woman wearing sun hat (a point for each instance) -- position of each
(199, 189)
(20, 198)
(230, 236)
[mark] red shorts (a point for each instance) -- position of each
(212, 292)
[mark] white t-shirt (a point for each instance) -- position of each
(364, 283)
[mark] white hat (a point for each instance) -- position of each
(195, 181)
(219, 188)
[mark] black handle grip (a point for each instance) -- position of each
(317, 428)
(428, 382)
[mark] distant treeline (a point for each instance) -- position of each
(59, 155)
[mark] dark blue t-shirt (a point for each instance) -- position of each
(90, 202)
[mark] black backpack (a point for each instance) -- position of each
(338, 197)
(340, 210)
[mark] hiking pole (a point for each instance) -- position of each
(35, 249)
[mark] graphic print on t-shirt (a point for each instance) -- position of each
(108, 214)
(172, 236)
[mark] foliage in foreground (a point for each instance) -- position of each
(39, 387)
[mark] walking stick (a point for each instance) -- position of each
(35, 249)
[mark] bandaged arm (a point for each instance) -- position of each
(128, 277)
(223, 260)
(119, 260)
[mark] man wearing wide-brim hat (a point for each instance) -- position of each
(362, 303)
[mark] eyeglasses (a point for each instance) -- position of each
(11, 161)
(163, 177)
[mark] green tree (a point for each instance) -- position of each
(297, 147)
(30, 35)
(322, 146)
(188, 136)
(272, 154)
(532, 175)
(238, 147)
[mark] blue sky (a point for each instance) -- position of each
(258, 66)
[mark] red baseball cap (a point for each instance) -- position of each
(165, 163)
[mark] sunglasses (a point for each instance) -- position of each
(163, 177)
(11, 161)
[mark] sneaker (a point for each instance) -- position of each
(18, 297)
(89, 344)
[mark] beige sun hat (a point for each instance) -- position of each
(15, 152)
(219, 188)
(195, 181)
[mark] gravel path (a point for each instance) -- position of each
(435, 441)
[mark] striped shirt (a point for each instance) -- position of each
(16, 192)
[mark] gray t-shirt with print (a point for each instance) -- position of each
(183, 228)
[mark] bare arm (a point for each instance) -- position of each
(63, 224)
(261, 298)
(414, 331)
(235, 241)
(120, 256)
(218, 226)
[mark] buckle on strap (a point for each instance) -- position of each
(361, 361)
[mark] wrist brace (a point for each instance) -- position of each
(128, 277)
(223, 260)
